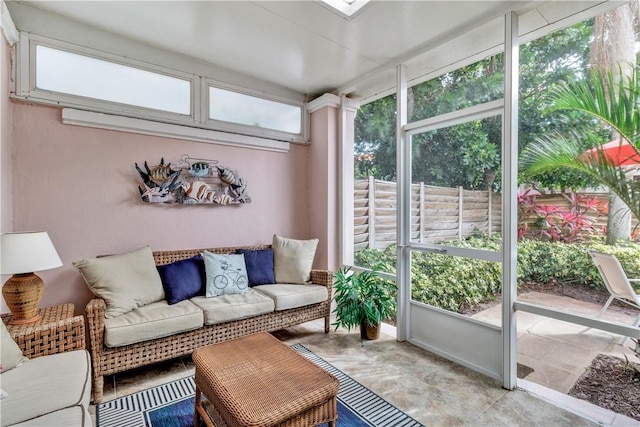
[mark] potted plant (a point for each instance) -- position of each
(362, 299)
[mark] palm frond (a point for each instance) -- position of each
(605, 97)
(554, 152)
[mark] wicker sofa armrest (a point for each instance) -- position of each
(324, 278)
(55, 337)
(96, 313)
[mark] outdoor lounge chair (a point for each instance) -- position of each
(618, 285)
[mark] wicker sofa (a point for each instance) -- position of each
(108, 360)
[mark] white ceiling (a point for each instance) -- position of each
(302, 45)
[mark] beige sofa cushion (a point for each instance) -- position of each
(225, 308)
(124, 281)
(293, 259)
(45, 385)
(10, 354)
(75, 416)
(288, 296)
(155, 320)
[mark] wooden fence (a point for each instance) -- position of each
(437, 213)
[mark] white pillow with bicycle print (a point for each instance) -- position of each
(226, 274)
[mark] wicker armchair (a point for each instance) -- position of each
(110, 360)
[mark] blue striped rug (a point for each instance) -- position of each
(171, 405)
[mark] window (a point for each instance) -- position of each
(249, 110)
(80, 75)
(137, 95)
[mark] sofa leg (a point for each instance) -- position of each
(327, 324)
(98, 385)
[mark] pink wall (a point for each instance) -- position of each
(80, 185)
(6, 216)
(5, 136)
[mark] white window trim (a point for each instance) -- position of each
(198, 119)
(454, 118)
(92, 119)
(6, 23)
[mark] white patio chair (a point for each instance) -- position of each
(617, 282)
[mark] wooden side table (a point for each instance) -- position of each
(57, 331)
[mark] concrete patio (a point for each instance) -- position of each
(557, 351)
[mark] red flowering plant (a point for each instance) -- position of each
(553, 223)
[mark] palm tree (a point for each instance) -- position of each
(614, 101)
(613, 48)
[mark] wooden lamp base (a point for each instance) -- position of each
(22, 293)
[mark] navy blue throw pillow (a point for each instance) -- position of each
(183, 279)
(259, 266)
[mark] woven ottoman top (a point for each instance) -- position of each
(260, 380)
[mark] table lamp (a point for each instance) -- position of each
(21, 254)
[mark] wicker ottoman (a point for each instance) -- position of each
(259, 381)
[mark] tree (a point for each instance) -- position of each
(468, 154)
(448, 157)
(375, 144)
(609, 99)
(613, 50)
(544, 63)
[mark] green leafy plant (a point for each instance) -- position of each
(362, 297)
(455, 283)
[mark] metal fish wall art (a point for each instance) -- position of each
(200, 169)
(160, 172)
(191, 181)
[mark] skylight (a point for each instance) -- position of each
(345, 8)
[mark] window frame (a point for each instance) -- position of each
(24, 88)
(252, 130)
(27, 83)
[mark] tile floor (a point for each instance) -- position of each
(433, 390)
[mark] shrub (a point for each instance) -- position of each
(451, 283)
(455, 283)
(546, 262)
(555, 224)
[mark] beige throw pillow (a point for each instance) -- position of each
(124, 281)
(292, 259)
(10, 354)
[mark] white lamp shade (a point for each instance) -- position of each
(27, 252)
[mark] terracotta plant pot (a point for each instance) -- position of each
(369, 332)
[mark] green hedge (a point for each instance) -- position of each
(455, 283)
(545, 262)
